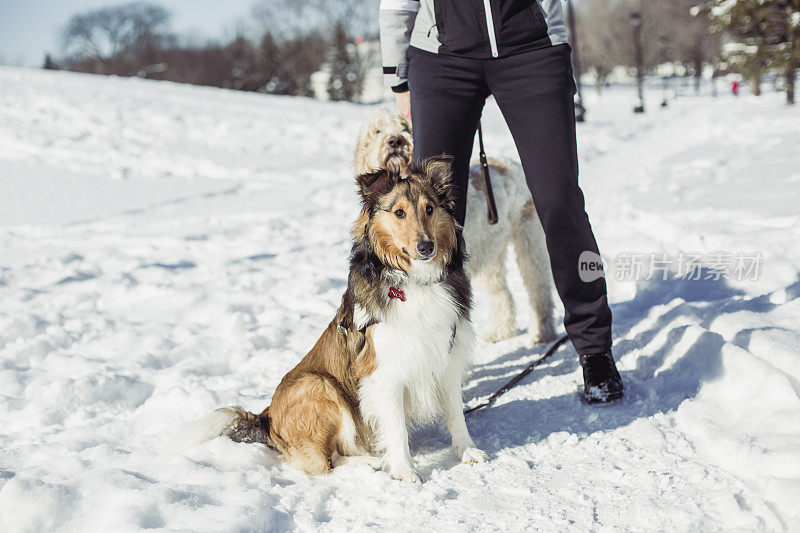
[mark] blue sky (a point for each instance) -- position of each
(31, 28)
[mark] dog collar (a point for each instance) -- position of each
(394, 292)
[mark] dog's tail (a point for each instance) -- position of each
(232, 422)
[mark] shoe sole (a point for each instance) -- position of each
(612, 399)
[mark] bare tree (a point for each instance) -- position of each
(597, 47)
(298, 40)
(288, 19)
(669, 34)
(691, 41)
(115, 36)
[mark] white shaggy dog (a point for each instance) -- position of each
(385, 141)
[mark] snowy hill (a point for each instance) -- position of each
(166, 249)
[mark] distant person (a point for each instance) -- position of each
(735, 87)
(451, 55)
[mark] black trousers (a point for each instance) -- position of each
(534, 91)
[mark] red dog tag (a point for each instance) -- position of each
(394, 292)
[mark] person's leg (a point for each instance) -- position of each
(447, 96)
(535, 93)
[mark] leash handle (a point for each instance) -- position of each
(487, 181)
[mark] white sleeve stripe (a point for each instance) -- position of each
(400, 5)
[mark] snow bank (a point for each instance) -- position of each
(166, 250)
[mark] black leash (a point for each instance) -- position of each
(487, 181)
(516, 379)
(492, 216)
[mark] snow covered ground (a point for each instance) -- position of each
(166, 250)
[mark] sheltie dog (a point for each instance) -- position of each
(396, 351)
(385, 140)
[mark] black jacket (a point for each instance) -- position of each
(479, 29)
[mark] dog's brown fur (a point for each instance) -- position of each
(317, 401)
(476, 174)
(307, 410)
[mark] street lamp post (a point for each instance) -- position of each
(580, 109)
(636, 22)
(664, 50)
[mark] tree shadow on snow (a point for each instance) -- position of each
(672, 360)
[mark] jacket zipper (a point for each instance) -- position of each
(487, 8)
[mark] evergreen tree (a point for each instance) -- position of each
(342, 84)
(767, 33)
(48, 63)
(270, 63)
(242, 60)
(299, 59)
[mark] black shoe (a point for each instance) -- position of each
(602, 382)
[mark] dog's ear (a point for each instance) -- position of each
(405, 123)
(372, 185)
(439, 170)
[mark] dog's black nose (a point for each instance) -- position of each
(394, 142)
(425, 248)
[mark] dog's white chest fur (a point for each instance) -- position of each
(416, 349)
(414, 338)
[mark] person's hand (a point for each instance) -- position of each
(404, 104)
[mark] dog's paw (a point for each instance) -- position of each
(406, 474)
(473, 455)
(373, 462)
